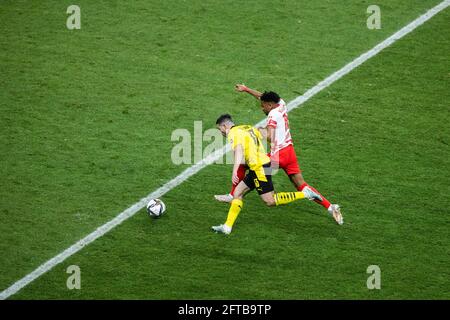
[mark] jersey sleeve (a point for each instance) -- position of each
(235, 138)
(258, 134)
(272, 119)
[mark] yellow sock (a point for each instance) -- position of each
(235, 208)
(288, 197)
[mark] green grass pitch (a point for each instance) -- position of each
(86, 118)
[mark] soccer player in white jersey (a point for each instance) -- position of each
(282, 153)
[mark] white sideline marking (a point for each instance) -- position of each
(186, 174)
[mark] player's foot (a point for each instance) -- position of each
(335, 211)
(224, 197)
(311, 195)
(222, 229)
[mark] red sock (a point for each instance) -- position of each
(325, 203)
(241, 175)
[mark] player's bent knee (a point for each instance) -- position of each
(238, 194)
(269, 202)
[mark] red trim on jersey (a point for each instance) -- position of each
(272, 123)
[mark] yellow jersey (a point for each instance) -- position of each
(251, 141)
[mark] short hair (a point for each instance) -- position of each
(224, 118)
(270, 96)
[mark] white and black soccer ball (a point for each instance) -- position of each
(156, 208)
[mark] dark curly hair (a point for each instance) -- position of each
(270, 96)
(224, 118)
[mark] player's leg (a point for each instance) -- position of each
(229, 197)
(289, 163)
(265, 189)
(276, 199)
(333, 209)
(241, 175)
(300, 184)
(236, 206)
(281, 198)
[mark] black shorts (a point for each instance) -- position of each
(251, 180)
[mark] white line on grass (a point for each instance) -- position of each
(186, 174)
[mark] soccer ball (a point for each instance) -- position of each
(156, 208)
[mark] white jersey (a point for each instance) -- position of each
(278, 119)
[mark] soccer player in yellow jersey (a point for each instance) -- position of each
(246, 142)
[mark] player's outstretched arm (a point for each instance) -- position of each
(244, 88)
